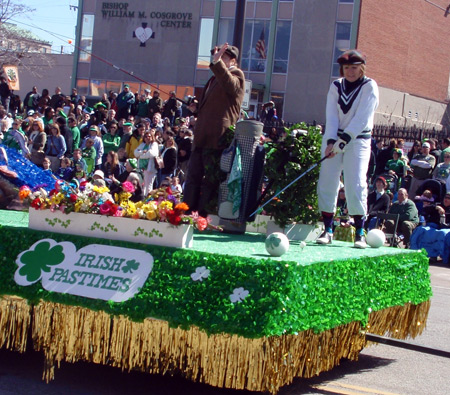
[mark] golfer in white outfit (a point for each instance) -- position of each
(351, 104)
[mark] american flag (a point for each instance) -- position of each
(261, 46)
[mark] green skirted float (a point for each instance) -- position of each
(223, 312)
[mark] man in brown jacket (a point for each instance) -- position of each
(218, 109)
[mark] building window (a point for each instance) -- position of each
(83, 87)
(226, 29)
(341, 43)
(87, 31)
(97, 87)
(346, 1)
(205, 43)
(254, 54)
(114, 86)
(282, 42)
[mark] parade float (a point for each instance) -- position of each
(219, 310)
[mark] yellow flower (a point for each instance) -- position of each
(131, 209)
(151, 215)
(78, 205)
(57, 199)
(100, 189)
(166, 205)
(153, 205)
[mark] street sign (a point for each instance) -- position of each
(248, 91)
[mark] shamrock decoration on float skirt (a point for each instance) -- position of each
(39, 260)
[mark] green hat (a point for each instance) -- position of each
(399, 151)
(126, 86)
(133, 162)
(100, 104)
(127, 124)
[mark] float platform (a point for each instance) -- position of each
(223, 312)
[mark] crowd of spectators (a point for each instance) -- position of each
(123, 135)
(148, 141)
(414, 183)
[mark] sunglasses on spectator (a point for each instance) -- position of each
(15, 124)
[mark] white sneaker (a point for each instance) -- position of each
(325, 238)
(360, 241)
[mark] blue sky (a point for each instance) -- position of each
(52, 21)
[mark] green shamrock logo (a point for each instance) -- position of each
(40, 259)
(273, 241)
(130, 266)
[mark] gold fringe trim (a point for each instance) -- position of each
(400, 322)
(70, 333)
(15, 318)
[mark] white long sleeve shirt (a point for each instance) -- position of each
(352, 113)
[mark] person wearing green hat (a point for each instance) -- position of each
(125, 100)
(127, 128)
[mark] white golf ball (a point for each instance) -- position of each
(376, 238)
(277, 244)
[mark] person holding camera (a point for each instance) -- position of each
(218, 109)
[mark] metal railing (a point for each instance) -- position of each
(383, 132)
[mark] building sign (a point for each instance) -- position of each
(247, 93)
(95, 271)
(164, 19)
(12, 77)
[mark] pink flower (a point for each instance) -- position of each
(104, 209)
(118, 213)
(127, 186)
(202, 223)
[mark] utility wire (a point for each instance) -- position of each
(130, 73)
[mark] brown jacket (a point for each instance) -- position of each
(220, 105)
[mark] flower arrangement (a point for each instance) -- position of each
(161, 205)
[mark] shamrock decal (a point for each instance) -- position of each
(130, 266)
(238, 295)
(273, 241)
(40, 259)
(200, 273)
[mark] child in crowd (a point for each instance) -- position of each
(89, 155)
(80, 174)
(175, 185)
(46, 165)
(65, 171)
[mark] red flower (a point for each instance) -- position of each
(73, 197)
(104, 208)
(174, 219)
(202, 223)
(36, 203)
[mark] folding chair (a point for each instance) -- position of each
(392, 238)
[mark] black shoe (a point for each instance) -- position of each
(325, 238)
(360, 241)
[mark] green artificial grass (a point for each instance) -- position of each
(318, 288)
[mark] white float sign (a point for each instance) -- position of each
(95, 271)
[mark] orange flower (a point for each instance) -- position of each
(182, 207)
(24, 192)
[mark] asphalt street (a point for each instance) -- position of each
(381, 369)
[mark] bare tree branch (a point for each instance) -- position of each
(17, 44)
